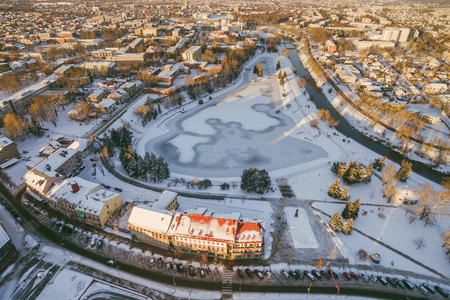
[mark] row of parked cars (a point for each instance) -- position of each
(179, 268)
(11, 210)
(322, 274)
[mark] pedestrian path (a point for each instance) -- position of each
(227, 284)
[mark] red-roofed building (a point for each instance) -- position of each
(248, 243)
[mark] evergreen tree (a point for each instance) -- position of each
(345, 194)
(346, 213)
(254, 180)
(336, 222)
(405, 171)
(335, 189)
(355, 209)
(348, 226)
(335, 167)
(278, 65)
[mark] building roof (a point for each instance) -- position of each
(248, 232)
(199, 226)
(86, 195)
(164, 200)
(4, 141)
(148, 218)
(4, 237)
(53, 162)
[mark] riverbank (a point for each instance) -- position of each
(361, 123)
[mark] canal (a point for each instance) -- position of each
(344, 127)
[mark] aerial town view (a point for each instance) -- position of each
(243, 149)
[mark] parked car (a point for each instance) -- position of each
(168, 266)
(364, 277)
(14, 214)
(284, 274)
(336, 276)
(408, 285)
(382, 280)
(398, 282)
(346, 276)
(118, 189)
(3, 202)
(373, 278)
(8, 207)
(110, 262)
(240, 273)
(428, 288)
(300, 275)
(152, 261)
(353, 275)
(180, 268)
(324, 274)
(106, 186)
(391, 282)
(160, 262)
(268, 274)
(422, 289)
(19, 220)
(94, 172)
(191, 270)
(93, 241)
(202, 273)
(249, 273)
(293, 275)
(259, 274)
(309, 275)
(99, 244)
(441, 291)
(316, 274)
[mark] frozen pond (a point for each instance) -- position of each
(243, 130)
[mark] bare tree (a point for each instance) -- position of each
(446, 240)
(420, 242)
(389, 181)
(432, 203)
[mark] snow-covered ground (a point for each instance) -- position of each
(305, 167)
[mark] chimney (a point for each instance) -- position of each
(75, 187)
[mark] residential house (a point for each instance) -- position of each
(8, 149)
(97, 95)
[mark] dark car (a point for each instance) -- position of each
(382, 280)
(299, 273)
(346, 276)
(428, 288)
(3, 202)
(240, 273)
(324, 274)
(99, 244)
(398, 282)
(8, 207)
(106, 186)
(191, 270)
(294, 275)
(160, 262)
(408, 285)
(353, 275)
(336, 276)
(391, 282)
(14, 214)
(316, 274)
(441, 291)
(19, 220)
(118, 189)
(249, 273)
(180, 268)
